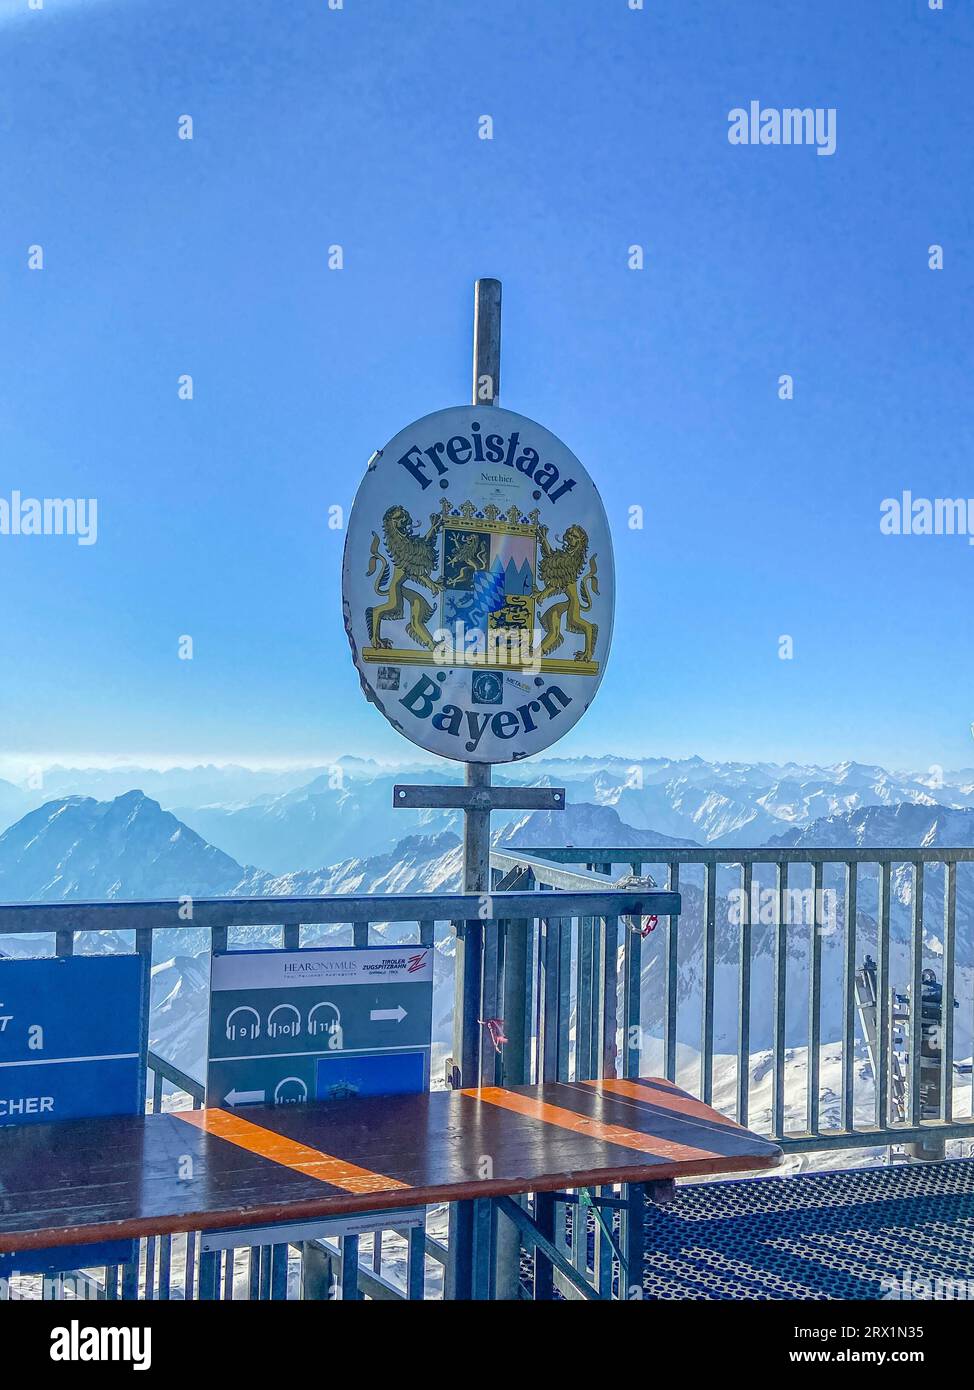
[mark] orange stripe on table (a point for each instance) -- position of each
(583, 1124)
(280, 1149)
(663, 1096)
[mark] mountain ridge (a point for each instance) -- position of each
(80, 849)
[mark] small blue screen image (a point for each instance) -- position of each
(373, 1074)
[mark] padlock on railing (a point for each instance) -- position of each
(635, 922)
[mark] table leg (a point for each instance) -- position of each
(548, 1258)
(641, 1199)
(633, 1240)
(316, 1272)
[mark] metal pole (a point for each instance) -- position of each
(486, 391)
(476, 851)
(476, 835)
(476, 823)
(486, 342)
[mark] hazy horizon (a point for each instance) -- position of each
(762, 611)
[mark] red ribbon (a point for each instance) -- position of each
(495, 1028)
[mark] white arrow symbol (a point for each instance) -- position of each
(236, 1097)
(387, 1015)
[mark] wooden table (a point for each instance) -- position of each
(131, 1176)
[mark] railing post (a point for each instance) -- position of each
(744, 997)
(209, 1275)
(550, 948)
(609, 952)
(849, 985)
(632, 1012)
(468, 964)
(916, 993)
(883, 1009)
(947, 996)
(709, 967)
(515, 1059)
(779, 1042)
(349, 1258)
(416, 1263)
(671, 1006)
(494, 949)
(583, 1001)
(143, 947)
(564, 927)
(813, 1073)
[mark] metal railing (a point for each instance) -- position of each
(725, 999)
(519, 951)
(807, 921)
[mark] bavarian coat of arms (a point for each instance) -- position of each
(481, 587)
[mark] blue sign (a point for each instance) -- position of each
(71, 1038)
(71, 1046)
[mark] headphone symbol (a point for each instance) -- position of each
(244, 1029)
(290, 1100)
(290, 1029)
(324, 1025)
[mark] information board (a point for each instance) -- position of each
(318, 1024)
(71, 1046)
(70, 1038)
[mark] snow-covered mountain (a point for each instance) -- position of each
(331, 818)
(580, 823)
(903, 826)
(742, 804)
(79, 848)
(299, 819)
(417, 864)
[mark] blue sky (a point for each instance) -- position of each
(360, 127)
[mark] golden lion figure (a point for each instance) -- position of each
(413, 557)
(561, 572)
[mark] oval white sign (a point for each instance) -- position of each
(478, 585)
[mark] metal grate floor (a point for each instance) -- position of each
(864, 1233)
